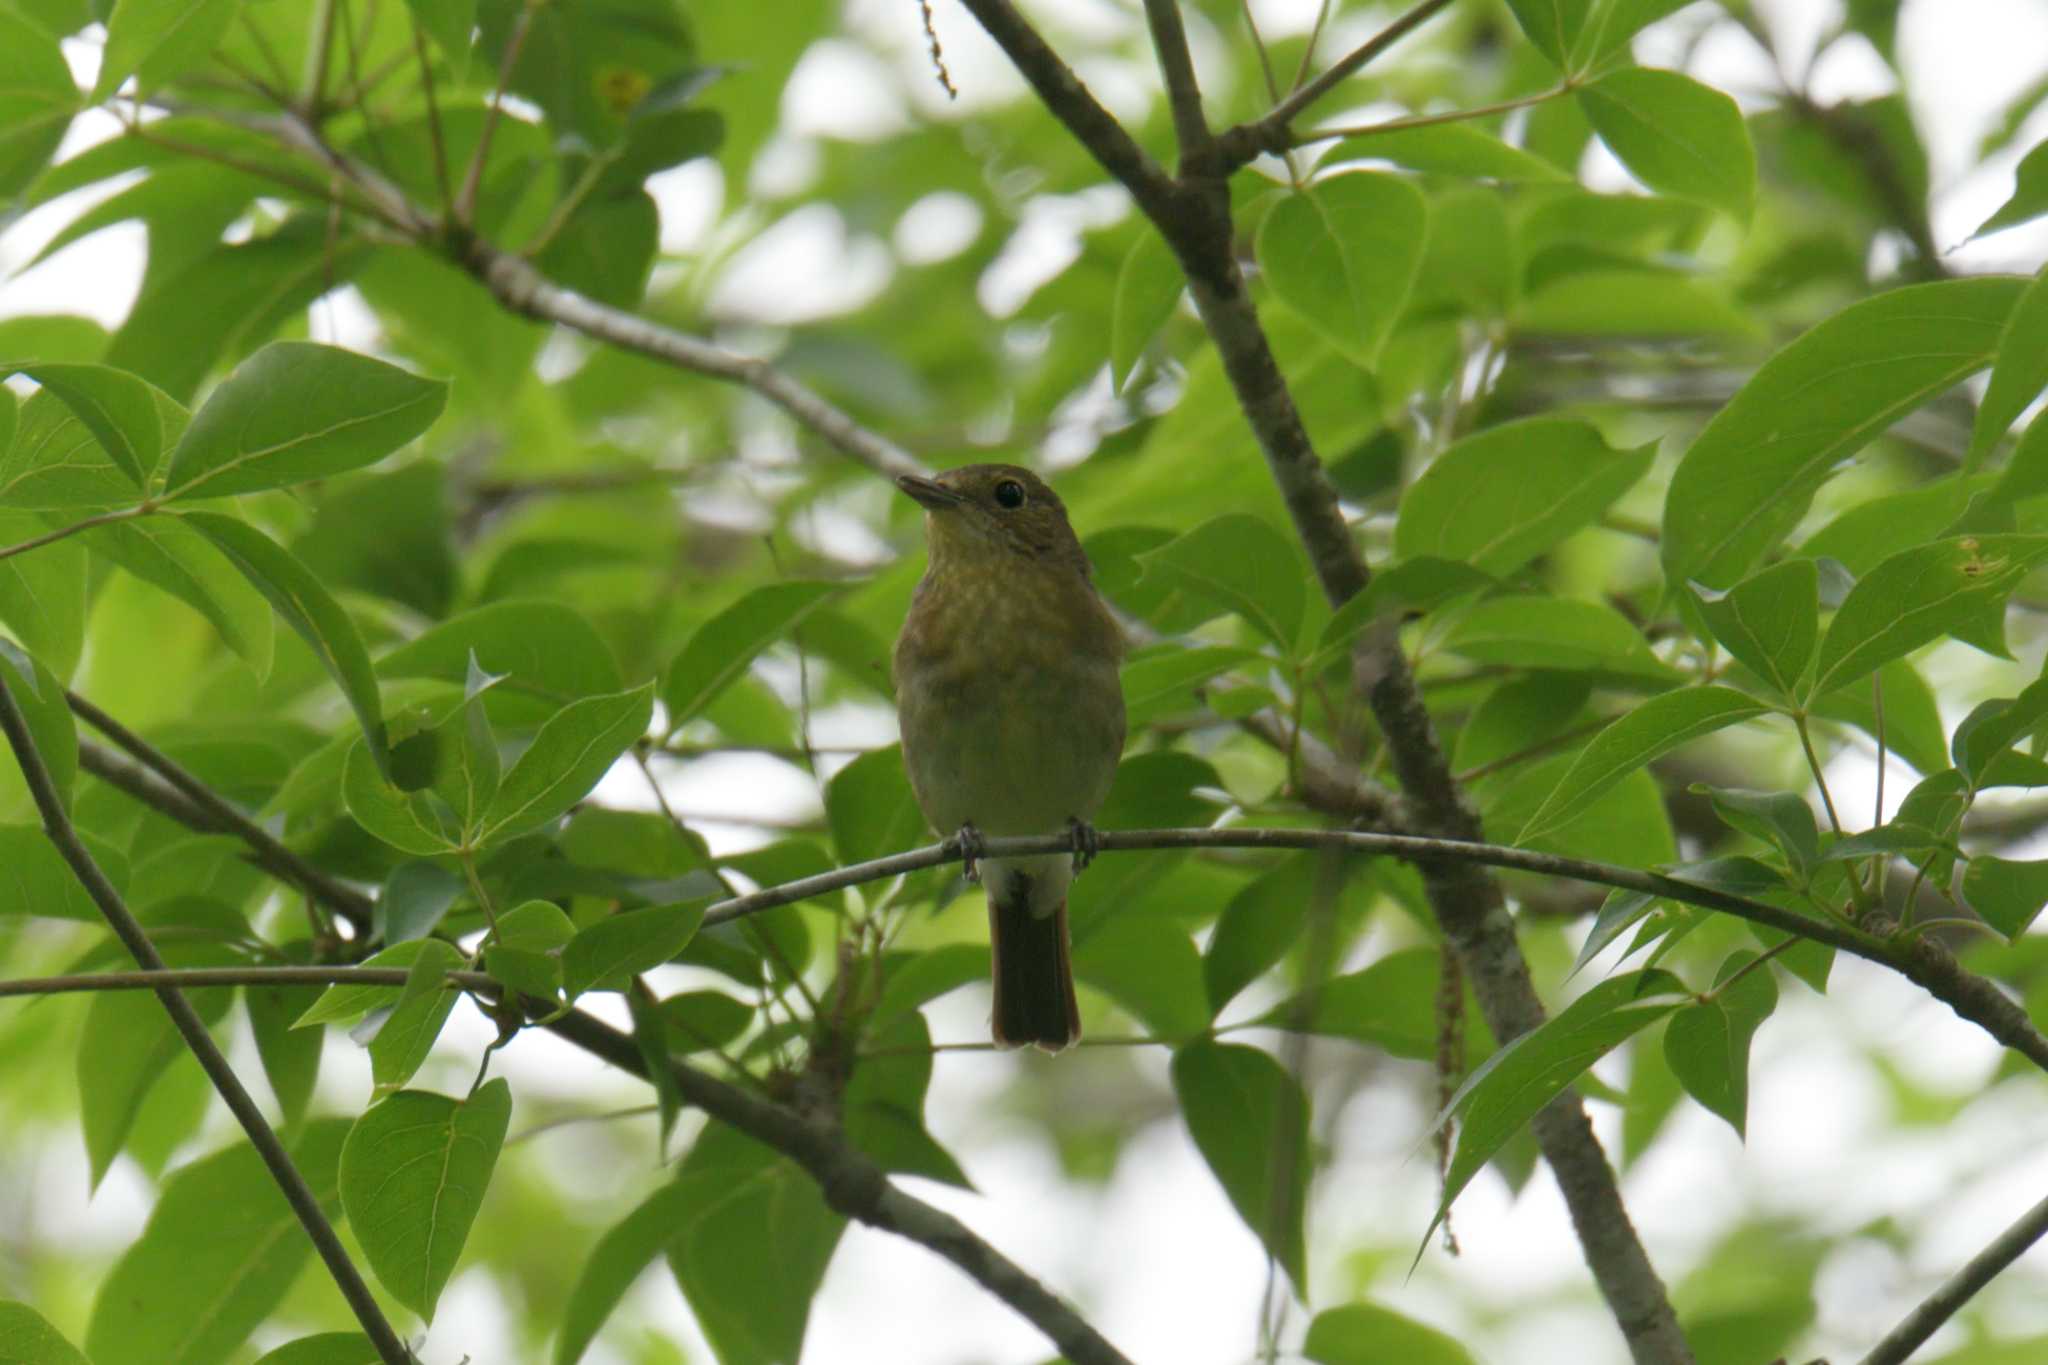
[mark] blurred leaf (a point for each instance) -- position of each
(37, 99)
(42, 595)
(1498, 499)
(627, 1248)
(169, 554)
(607, 249)
(1447, 149)
(1391, 1004)
(1554, 26)
(290, 1056)
(157, 42)
(1256, 928)
(1613, 22)
(884, 1103)
(2029, 194)
(2020, 372)
(1249, 1118)
(1750, 475)
(1367, 1334)
(869, 807)
(27, 1338)
(1553, 632)
(35, 880)
(190, 1289)
(1343, 254)
(1149, 965)
(412, 1177)
(1676, 136)
(328, 1348)
(1147, 290)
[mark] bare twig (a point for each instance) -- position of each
(304, 1203)
(1271, 133)
(1943, 1304)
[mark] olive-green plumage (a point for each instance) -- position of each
(1011, 712)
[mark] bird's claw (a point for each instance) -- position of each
(968, 840)
(1087, 843)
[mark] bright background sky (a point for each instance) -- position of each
(1157, 1258)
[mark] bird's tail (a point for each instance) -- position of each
(1034, 973)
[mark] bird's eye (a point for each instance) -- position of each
(1010, 494)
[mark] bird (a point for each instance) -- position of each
(1012, 717)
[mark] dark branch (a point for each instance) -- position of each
(1944, 1303)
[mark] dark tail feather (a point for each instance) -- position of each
(1034, 977)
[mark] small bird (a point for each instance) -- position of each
(1012, 716)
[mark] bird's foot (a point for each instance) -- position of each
(1087, 843)
(968, 840)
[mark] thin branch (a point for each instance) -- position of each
(207, 806)
(465, 200)
(1183, 94)
(1943, 1304)
(304, 1203)
(521, 288)
(1396, 125)
(1271, 133)
(65, 532)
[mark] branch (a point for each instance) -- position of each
(1271, 133)
(304, 1203)
(1943, 1304)
(524, 290)
(1183, 95)
(183, 797)
(856, 1187)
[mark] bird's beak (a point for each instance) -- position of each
(930, 492)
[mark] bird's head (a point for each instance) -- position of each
(988, 513)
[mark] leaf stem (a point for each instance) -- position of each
(1397, 125)
(103, 519)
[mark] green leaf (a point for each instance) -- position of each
(1707, 1043)
(1241, 563)
(407, 1034)
(1752, 472)
(1249, 1118)
(35, 879)
(290, 1056)
(1147, 964)
(127, 1043)
(1912, 724)
(1770, 621)
(2020, 372)
(884, 1103)
(414, 822)
(543, 647)
(344, 1002)
(1165, 679)
(1614, 22)
(1256, 928)
(216, 1258)
(752, 1248)
(56, 464)
(566, 759)
(1147, 289)
(413, 1175)
(1554, 26)
(2008, 894)
(328, 1348)
(37, 99)
(1553, 632)
(723, 646)
(1514, 1083)
(307, 608)
(1917, 596)
(1448, 149)
(165, 552)
(607, 249)
(1499, 498)
(158, 40)
(1781, 819)
(524, 970)
(121, 411)
(1414, 585)
(627, 1248)
(1632, 303)
(415, 897)
(27, 1338)
(1676, 136)
(43, 594)
(1391, 1004)
(1654, 728)
(452, 26)
(297, 411)
(1367, 1334)
(1343, 254)
(2029, 193)
(2026, 476)
(869, 807)
(610, 953)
